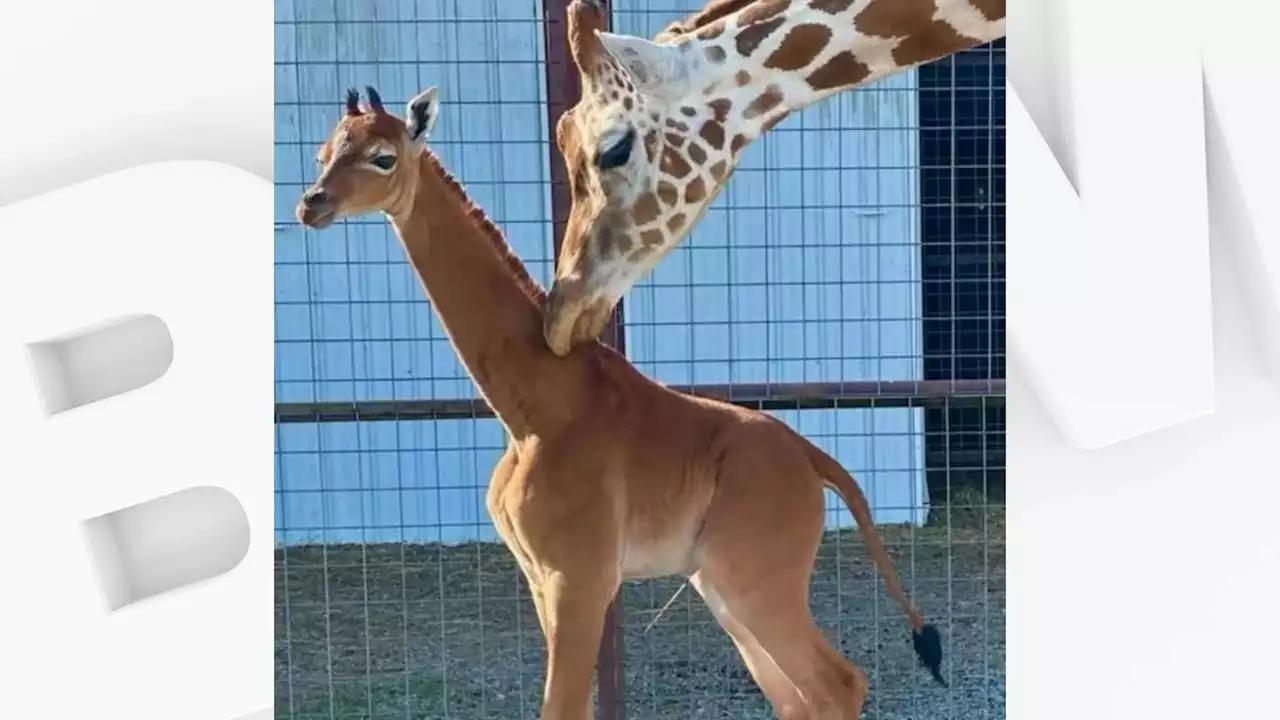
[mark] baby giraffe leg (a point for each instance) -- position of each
(782, 695)
(575, 610)
(778, 619)
(760, 577)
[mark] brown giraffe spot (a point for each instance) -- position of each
(628, 103)
(992, 10)
(840, 70)
(651, 145)
(688, 112)
(762, 10)
(651, 238)
(654, 116)
(640, 72)
(614, 96)
(938, 41)
(675, 139)
(675, 27)
(893, 19)
(720, 108)
(799, 47)
(718, 170)
(667, 193)
(713, 133)
(646, 209)
(677, 125)
(696, 153)
(742, 78)
(739, 142)
(833, 7)
(614, 243)
(714, 10)
(750, 37)
(715, 54)
(695, 191)
(768, 100)
(676, 222)
(710, 32)
(905, 18)
(674, 164)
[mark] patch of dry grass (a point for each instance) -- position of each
(428, 632)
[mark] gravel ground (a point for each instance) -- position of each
(431, 632)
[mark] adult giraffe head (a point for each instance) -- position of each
(661, 125)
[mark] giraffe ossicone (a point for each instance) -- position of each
(662, 124)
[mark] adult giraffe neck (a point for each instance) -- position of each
(793, 53)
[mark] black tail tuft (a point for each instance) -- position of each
(928, 647)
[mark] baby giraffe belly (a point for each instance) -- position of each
(663, 520)
(657, 554)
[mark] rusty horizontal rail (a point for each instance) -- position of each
(759, 396)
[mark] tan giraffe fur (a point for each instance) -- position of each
(608, 475)
(661, 125)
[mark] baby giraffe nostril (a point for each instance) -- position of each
(315, 197)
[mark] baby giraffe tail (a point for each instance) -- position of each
(924, 637)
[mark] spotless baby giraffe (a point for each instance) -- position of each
(661, 125)
(608, 475)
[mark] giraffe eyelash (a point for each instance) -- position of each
(617, 154)
(382, 162)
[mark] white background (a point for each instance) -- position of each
(93, 87)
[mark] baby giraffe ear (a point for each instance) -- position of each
(420, 116)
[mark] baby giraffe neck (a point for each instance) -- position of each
(488, 305)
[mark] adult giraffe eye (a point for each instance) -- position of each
(618, 153)
(383, 162)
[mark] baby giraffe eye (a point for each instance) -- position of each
(383, 162)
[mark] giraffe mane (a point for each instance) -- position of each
(713, 11)
(531, 288)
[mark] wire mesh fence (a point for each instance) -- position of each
(849, 280)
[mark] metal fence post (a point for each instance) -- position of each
(563, 90)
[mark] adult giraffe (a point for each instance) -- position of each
(661, 124)
(608, 475)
